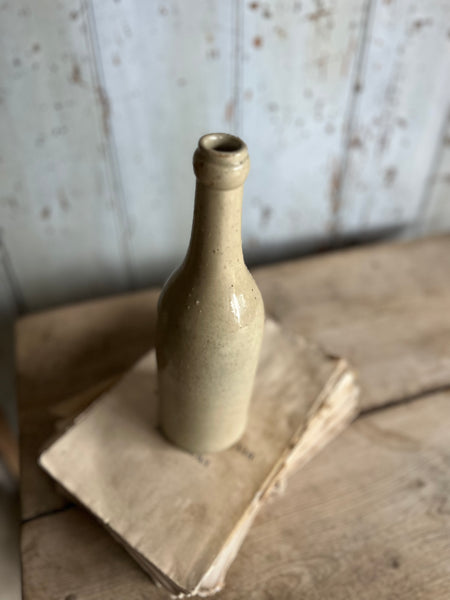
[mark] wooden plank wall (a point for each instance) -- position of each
(9, 301)
(402, 99)
(436, 199)
(343, 104)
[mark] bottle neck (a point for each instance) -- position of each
(216, 228)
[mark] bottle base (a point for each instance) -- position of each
(202, 446)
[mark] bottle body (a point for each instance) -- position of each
(210, 314)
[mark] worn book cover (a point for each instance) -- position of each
(183, 517)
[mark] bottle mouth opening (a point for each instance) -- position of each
(222, 143)
(221, 161)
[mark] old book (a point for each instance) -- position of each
(183, 517)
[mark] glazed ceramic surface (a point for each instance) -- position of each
(210, 312)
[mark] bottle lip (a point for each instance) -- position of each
(221, 161)
(225, 145)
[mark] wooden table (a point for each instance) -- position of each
(369, 518)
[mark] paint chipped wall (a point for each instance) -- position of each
(343, 105)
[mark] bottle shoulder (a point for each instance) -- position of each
(231, 296)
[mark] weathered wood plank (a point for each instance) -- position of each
(9, 448)
(7, 370)
(9, 455)
(100, 100)
(9, 540)
(393, 135)
(10, 302)
(436, 207)
(11, 297)
(298, 69)
(383, 307)
(57, 203)
(167, 69)
(365, 517)
(96, 341)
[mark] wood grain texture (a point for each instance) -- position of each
(393, 131)
(67, 352)
(366, 517)
(9, 447)
(436, 202)
(57, 202)
(9, 539)
(168, 71)
(102, 104)
(11, 298)
(298, 67)
(384, 307)
(10, 302)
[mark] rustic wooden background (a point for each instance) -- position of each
(343, 103)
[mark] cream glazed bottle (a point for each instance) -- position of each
(210, 312)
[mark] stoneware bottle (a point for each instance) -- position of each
(210, 312)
